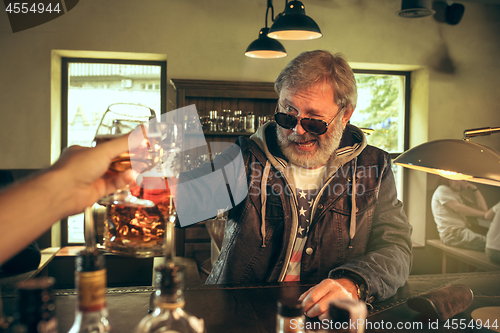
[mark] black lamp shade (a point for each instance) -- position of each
(294, 24)
(415, 8)
(265, 47)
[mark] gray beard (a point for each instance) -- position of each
(327, 145)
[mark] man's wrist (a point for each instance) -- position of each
(359, 289)
(349, 286)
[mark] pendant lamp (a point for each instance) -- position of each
(415, 8)
(265, 47)
(294, 24)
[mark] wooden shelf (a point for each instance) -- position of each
(256, 97)
(227, 133)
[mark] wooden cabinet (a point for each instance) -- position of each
(257, 97)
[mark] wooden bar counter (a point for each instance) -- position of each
(253, 308)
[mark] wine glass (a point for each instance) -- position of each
(120, 119)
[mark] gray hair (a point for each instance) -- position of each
(313, 67)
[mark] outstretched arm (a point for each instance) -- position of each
(464, 209)
(480, 202)
(77, 180)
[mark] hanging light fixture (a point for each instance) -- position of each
(456, 159)
(415, 8)
(294, 24)
(265, 47)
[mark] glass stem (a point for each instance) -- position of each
(169, 240)
(89, 229)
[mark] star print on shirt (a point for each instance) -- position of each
(302, 211)
(305, 200)
(301, 230)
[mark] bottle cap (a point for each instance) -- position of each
(290, 308)
(338, 314)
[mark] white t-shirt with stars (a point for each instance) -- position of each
(307, 184)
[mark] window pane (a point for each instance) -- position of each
(381, 113)
(92, 88)
(381, 109)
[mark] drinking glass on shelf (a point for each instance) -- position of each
(220, 124)
(120, 119)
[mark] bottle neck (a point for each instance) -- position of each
(91, 322)
(170, 306)
(89, 315)
(167, 301)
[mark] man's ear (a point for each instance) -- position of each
(347, 115)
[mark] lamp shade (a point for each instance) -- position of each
(265, 47)
(415, 8)
(454, 159)
(294, 24)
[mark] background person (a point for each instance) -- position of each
(450, 214)
(493, 235)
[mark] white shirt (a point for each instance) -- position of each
(444, 216)
(493, 235)
(308, 179)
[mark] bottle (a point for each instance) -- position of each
(91, 313)
(290, 315)
(5, 322)
(168, 302)
(36, 306)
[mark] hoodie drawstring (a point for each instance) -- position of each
(263, 198)
(352, 230)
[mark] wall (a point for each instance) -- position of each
(207, 39)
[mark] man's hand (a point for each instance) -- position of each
(469, 186)
(77, 180)
(316, 300)
(82, 173)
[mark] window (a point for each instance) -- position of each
(89, 86)
(382, 112)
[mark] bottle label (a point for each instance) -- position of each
(91, 290)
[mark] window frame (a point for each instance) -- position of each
(65, 61)
(406, 126)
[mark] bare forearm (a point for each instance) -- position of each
(465, 210)
(28, 210)
(481, 203)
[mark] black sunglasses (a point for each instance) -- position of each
(311, 125)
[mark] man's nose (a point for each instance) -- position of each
(299, 129)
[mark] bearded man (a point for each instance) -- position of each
(321, 205)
